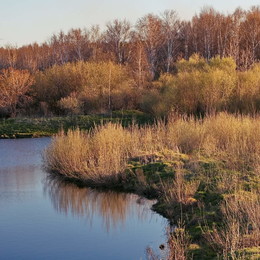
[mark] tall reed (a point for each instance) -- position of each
(240, 228)
(106, 149)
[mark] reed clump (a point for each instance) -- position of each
(106, 149)
(99, 155)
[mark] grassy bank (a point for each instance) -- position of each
(204, 173)
(47, 126)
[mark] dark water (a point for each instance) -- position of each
(42, 218)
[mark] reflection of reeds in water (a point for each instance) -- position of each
(19, 180)
(112, 206)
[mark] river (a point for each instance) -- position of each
(44, 218)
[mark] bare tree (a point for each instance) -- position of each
(14, 85)
(59, 48)
(95, 42)
(171, 32)
(204, 32)
(78, 42)
(150, 32)
(250, 30)
(118, 35)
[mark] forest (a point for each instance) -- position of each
(158, 65)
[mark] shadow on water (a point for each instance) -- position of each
(113, 207)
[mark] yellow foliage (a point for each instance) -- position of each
(91, 81)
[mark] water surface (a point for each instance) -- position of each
(43, 218)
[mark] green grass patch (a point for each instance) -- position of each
(37, 127)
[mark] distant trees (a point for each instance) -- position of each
(161, 63)
(246, 96)
(250, 34)
(172, 27)
(14, 87)
(153, 44)
(98, 87)
(149, 30)
(199, 87)
(117, 36)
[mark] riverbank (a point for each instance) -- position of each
(25, 127)
(204, 174)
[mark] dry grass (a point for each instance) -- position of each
(177, 247)
(234, 139)
(218, 135)
(92, 155)
(67, 153)
(105, 150)
(241, 225)
(179, 242)
(180, 190)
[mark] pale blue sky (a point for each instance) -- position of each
(27, 21)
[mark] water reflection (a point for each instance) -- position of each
(38, 213)
(17, 183)
(88, 203)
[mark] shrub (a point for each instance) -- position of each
(198, 87)
(99, 84)
(70, 104)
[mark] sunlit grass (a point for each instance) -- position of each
(106, 149)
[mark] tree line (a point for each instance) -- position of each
(152, 45)
(143, 66)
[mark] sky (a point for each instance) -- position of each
(27, 21)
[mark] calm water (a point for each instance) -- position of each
(42, 218)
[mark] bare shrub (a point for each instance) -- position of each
(14, 88)
(181, 190)
(186, 134)
(240, 229)
(177, 246)
(70, 104)
(179, 242)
